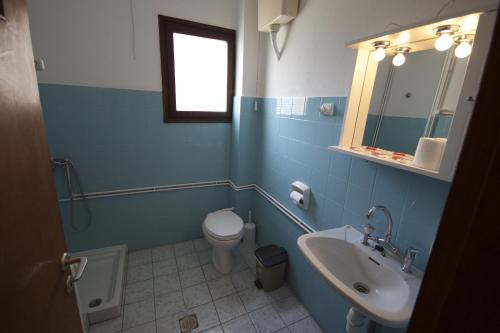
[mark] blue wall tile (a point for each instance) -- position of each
(343, 189)
(353, 185)
(143, 220)
(117, 140)
(398, 133)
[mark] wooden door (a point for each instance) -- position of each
(33, 293)
(460, 291)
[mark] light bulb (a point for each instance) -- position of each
(378, 54)
(399, 59)
(463, 50)
(444, 42)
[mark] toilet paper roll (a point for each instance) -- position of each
(297, 198)
(429, 153)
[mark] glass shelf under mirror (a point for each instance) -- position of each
(386, 157)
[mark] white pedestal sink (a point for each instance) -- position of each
(374, 285)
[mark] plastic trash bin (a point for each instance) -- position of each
(271, 264)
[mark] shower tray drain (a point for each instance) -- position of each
(188, 323)
(95, 302)
(361, 287)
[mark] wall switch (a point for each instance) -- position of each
(327, 109)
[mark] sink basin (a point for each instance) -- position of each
(373, 284)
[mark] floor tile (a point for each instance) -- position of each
(168, 304)
(162, 252)
(165, 284)
(170, 323)
(207, 317)
(266, 320)
(183, 248)
(216, 329)
(280, 293)
(243, 280)
(164, 267)
(290, 310)
(239, 263)
(139, 273)
(221, 287)
(248, 255)
(305, 325)
(187, 261)
(138, 313)
(145, 328)
(205, 257)
(239, 325)
(140, 257)
(139, 291)
(191, 277)
(201, 244)
(108, 326)
(211, 273)
(229, 307)
(196, 295)
(253, 298)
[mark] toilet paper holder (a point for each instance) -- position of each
(300, 194)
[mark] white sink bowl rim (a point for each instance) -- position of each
(373, 284)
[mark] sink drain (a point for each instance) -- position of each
(95, 302)
(361, 287)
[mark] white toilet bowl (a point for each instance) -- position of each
(223, 229)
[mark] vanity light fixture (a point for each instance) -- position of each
(445, 39)
(380, 46)
(399, 57)
(464, 47)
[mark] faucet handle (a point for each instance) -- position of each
(411, 253)
(409, 258)
(367, 230)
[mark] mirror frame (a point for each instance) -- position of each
(423, 38)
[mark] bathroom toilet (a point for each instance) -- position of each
(223, 229)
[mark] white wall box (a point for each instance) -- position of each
(276, 12)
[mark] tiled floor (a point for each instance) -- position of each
(169, 282)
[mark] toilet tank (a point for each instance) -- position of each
(276, 12)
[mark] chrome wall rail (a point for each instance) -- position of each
(288, 213)
(164, 188)
(150, 189)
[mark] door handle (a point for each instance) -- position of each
(67, 262)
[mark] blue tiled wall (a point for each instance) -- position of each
(399, 134)
(442, 126)
(117, 140)
(245, 141)
(292, 138)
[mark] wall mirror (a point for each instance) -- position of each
(415, 100)
(413, 92)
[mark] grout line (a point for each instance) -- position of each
(154, 294)
(270, 300)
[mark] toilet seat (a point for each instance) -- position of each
(223, 225)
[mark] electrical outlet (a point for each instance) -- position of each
(327, 109)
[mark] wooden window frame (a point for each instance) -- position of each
(167, 27)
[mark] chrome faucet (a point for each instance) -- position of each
(388, 233)
(410, 254)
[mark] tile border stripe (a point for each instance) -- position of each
(176, 187)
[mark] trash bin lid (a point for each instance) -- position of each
(271, 255)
